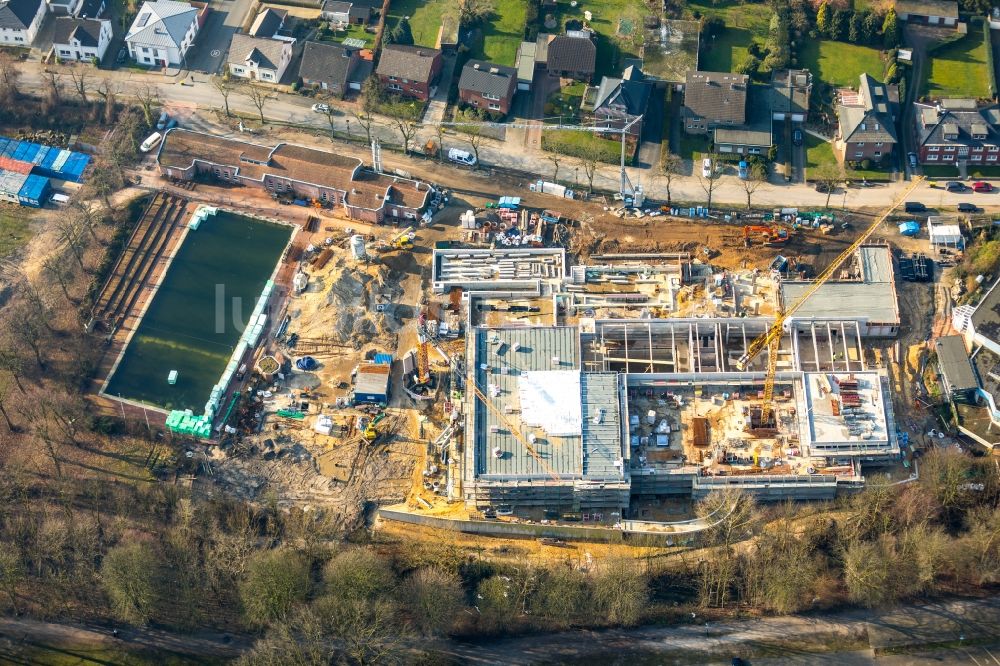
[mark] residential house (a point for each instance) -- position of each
(868, 121)
(333, 68)
(621, 101)
(713, 99)
(20, 20)
(955, 131)
(486, 86)
(268, 22)
(354, 12)
(571, 57)
(305, 173)
(790, 90)
(91, 9)
(930, 12)
(81, 39)
(162, 33)
(258, 58)
(410, 71)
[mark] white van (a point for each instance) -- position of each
(462, 157)
(152, 141)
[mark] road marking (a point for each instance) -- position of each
(976, 661)
(997, 661)
(215, 53)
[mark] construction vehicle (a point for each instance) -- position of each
(514, 430)
(401, 241)
(366, 426)
(770, 236)
(771, 338)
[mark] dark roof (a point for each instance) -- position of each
(957, 118)
(488, 79)
(873, 119)
(268, 22)
(630, 93)
(986, 317)
(790, 90)
(86, 31)
(954, 363)
(414, 63)
(18, 14)
(91, 9)
(756, 129)
(265, 52)
(717, 97)
(329, 63)
(336, 7)
(572, 54)
(943, 8)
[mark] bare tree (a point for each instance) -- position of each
(10, 76)
(366, 120)
(475, 139)
(590, 170)
(756, 176)
(29, 324)
(708, 181)
(81, 83)
(556, 161)
(621, 591)
(439, 132)
(4, 392)
(828, 177)
(108, 92)
(371, 95)
(435, 596)
(258, 96)
(71, 233)
(53, 92)
(61, 271)
(148, 98)
(12, 363)
(407, 130)
(670, 166)
(331, 113)
(225, 88)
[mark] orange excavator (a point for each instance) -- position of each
(770, 236)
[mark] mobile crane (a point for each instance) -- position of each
(771, 338)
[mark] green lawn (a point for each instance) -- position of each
(611, 47)
(14, 229)
(425, 18)
(838, 63)
(355, 32)
(582, 145)
(939, 171)
(692, 145)
(959, 69)
(503, 33)
(744, 23)
(564, 105)
(984, 171)
(818, 152)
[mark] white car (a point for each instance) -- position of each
(462, 157)
(706, 168)
(321, 108)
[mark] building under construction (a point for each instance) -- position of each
(586, 413)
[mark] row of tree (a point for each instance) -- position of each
(858, 27)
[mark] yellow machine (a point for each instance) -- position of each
(771, 338)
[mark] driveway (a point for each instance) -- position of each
(919, 38)
(652, 129)
(439, 102)
(224, 18)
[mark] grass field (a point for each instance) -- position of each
(425, 18)
(692, 146)
(744, 23)
(959, 69)
(187, 327)
(14, 229)
(818, 152)
(838, 63)
(611, 47)
(503, 33)
(355, 32)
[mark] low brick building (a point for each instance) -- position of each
(868, 123)
(957, 131)
(486, 86)
(410, 71)
(305, 173)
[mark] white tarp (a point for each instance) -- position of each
(550, 400)
(946, 234)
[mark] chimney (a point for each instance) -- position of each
(475, 66)
(494, 70)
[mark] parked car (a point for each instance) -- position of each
(912, 157)
(980, 186)
(162, 122)
(706, 168)
(954, 186)
(967, 208)
(914, 207)
(321, 108)
(797, 137)
(462, 157)
(152, 141)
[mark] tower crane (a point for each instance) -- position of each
(630, 194)
(514, 431)
(771, 338)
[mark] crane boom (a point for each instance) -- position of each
(514, 431)
(773, 334)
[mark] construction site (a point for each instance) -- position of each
(500, 357)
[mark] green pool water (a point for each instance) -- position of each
(191, 325)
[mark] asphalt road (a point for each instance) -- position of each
(195, 104)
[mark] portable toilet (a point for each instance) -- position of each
(172, 377)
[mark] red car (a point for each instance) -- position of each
(982, 187)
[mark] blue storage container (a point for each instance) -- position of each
(34, 192)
